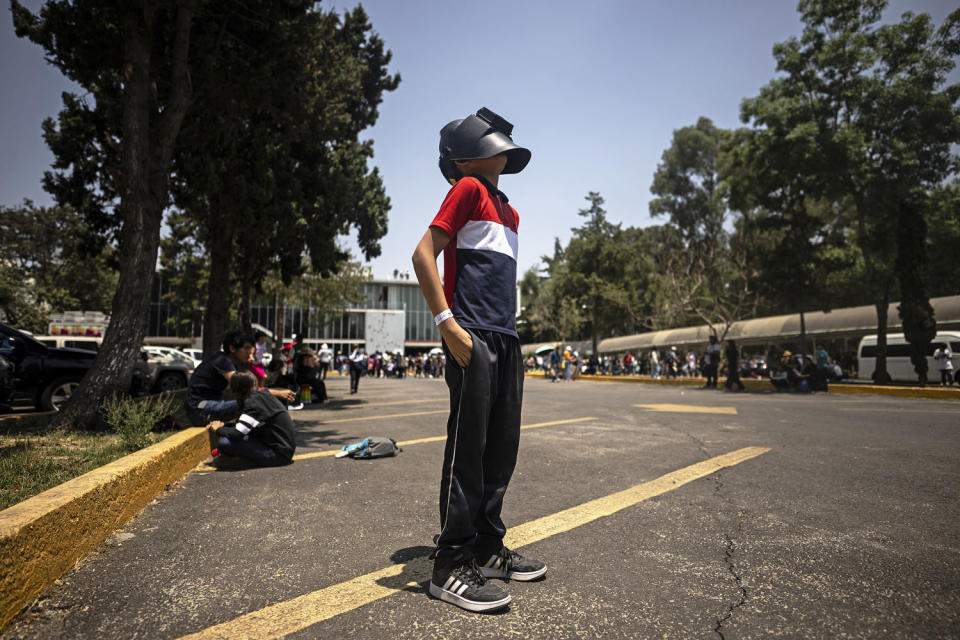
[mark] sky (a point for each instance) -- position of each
(594, 90)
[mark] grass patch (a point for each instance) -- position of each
(33, 458)
(31, 464)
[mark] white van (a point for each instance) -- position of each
(898, 356)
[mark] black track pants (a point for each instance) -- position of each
(483, 434)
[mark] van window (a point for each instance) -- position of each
(89, 345)
(893, 351)
(49, 342)
(955, 347)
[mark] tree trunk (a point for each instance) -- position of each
(880, 375)
(243, 307)
(145, 163)
(218, 290)
(916, 314)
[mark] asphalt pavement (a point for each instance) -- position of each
(697, 514)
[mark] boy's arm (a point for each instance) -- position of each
(425, 266)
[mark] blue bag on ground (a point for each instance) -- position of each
(371, 447)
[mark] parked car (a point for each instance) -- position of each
(170, 352)
(45, 376)
(166, 373)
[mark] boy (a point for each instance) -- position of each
(474, 308)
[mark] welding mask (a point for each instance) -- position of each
(483, 135)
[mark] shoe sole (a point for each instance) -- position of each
(519, 576)
(470, 605)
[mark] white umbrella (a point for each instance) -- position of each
(436, 351)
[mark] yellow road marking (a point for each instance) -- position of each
(283, 618)
(407, 443)
(687, 408)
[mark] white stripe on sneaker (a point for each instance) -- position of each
(450, 581)
(462, 588)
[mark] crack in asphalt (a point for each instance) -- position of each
(728, 558)
(729, 546)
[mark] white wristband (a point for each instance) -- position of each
(443, 315)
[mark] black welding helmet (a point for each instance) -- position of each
(483, 135)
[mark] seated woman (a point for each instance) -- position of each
(263, 435)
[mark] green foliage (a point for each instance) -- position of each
(133, 420)
(943, 238)
(289, 174)
(704, 265)
(34, 460)
(860, 117)
(50, 266)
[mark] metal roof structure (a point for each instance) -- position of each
(850, 322)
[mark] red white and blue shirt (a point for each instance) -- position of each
(480, 261)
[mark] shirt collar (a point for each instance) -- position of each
(492, 189)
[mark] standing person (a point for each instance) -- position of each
(259, 349)
(263, 435)
(358, 365)
(944, 358)
(567, 363)
(733, 367)
(325, 355)
(476, 229)
(555, 363)
(711, 361)
(691, 365)
(204, 399)
(654, 363)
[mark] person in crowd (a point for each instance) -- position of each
(307, 376)
(711, 361)
(262, 435)
(944, 358)
(733, 367)
(823, 358)
(690, 367)
(673, 363)
(554, 363)
(259, 350)
(204, 399)
(567, 363)
(325, 358)
(358, 365)
(654, 363)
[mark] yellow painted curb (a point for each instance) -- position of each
(935, 393)
(42, 537)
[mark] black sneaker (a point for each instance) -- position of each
(511, 565)
(458, 581)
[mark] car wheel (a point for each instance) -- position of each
(57, 392)
(170, 382)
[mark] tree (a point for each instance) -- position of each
(290, 174)
(704, 265)
(113, 157)
(48, 266)
(867, 106)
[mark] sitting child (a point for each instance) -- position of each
(263, 435)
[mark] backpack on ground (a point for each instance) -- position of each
(371, 447)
